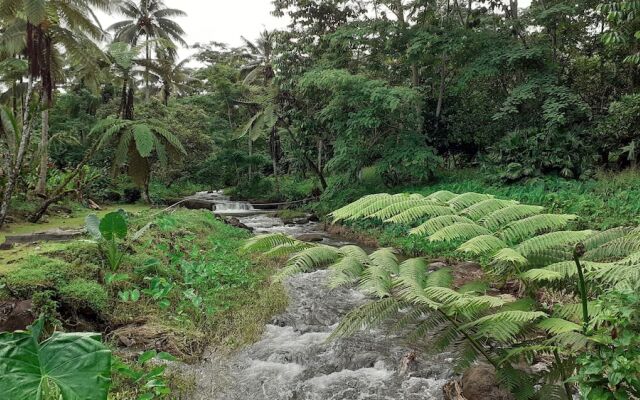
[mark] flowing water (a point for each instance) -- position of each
(294, 361)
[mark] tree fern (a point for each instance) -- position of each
(402, 206)
(351, 209)
(501, 217)
(486, 207)
(263, 243)
(483, 244)
(416, 213)
(369, 315)
(377, 205)
(442, 196)
(559, 271)
(435, 224)
(347, 270)
(307, 260)
(615, 249)
(550, 240)
(527, 227)
(504, 326)
(465, 200)
(458, 231)
(288, 249)
(556, 326)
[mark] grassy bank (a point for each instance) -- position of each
(182, 285)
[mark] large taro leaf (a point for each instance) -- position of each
(113, 225)
(77, 363)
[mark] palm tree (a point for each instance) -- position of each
(261, 53)
(38, 28)
(173, 77)
(136, 142)
(148, 19)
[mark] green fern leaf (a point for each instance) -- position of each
(288, 249)
(465, 200)
(442, 196)
(615, 249)
(458, 231)
(504, 216)
(350, 210)
(604, 237)
(379, 204)
(367, 316)
(263, 243)
(550, 240)
(394, 209)
(435, 224)
(482, 244)
(414, 214)
(556, 326)
(527, 227)
(486, 207)
(346, 271)
(307, 260)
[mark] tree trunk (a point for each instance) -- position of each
(250, 156)
(41, 188)
(13, 175)
(146, 72)
(60, 191)
(415, 82)
(314, 167)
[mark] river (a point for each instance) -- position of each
(294, 361)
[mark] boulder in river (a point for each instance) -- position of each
(480, 383)
(310, 237)
(233, 221)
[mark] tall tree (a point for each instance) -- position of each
(149, 19)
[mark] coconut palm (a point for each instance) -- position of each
(261, 53)
(40, 29)
(173, 76)
(148, 19)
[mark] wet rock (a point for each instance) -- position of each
(233, 221)
(16, 315)
(198, 204)
(310, 237)
(301, 221)
(480, 383)
(436, 265)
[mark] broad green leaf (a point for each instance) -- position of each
(78, 363)
(144, 139)
(113, 225)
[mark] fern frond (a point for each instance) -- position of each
(440, 278)
(572, 341)
(351, 209)
(615, 249)
(346, 271)
(604, 237)
(573, 311)
(414, 214)
(367, 316)
(527, 227)
(482, 244)
(529, 353)
(505, 325)
(550, 240)
(402, 206)
(355, 252)
(486, 207)
(458, 231)
(465, 200)
(385, 258)
(620, 275)
(509, 256)
(307, 260)
(263, 243)
(559, 271)
(377, 205)
(556, 326)
(288, 249)
(504, 216)
(442, 196)
(435, 224)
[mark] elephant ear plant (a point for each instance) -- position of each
(65, 366)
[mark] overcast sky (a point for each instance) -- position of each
(218, 20)
(224, 20)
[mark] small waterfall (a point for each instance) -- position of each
(226, 206)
